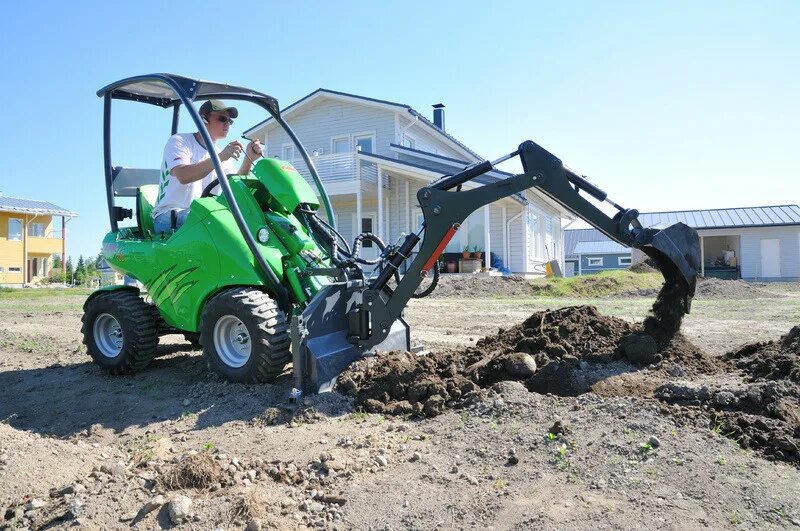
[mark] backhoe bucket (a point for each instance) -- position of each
(676, 252)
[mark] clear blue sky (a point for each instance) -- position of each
(673, 106)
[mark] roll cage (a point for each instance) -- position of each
(172, 91)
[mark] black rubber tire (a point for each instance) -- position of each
(268, 329)
(139, 330)
(193, 338)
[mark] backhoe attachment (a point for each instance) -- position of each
(349, 320)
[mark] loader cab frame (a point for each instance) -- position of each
(172, 91)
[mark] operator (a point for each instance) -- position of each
(187, 168)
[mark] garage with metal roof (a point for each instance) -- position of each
(753, 243)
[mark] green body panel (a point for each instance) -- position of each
(285, 183)
(145, 200)
(181, 271)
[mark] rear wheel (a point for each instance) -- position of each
(245, 337)
(119, 331)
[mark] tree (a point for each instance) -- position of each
(70, 269)
(98, 260)
(56, 261)
(80, 271)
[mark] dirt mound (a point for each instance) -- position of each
(762, 413)
(643, 267)
(482, 286)
(715, 288)
(563, 351)
(771, 360)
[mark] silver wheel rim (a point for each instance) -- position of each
(232, 341)
(108, 335)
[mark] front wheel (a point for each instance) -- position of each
(119, 331)
(245, 336)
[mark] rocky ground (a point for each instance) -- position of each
(555, 420)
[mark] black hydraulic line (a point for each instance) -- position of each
(585, 185)
(396, 261)
(460, 178)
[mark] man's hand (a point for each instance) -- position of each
(255, 149)
(234, 149)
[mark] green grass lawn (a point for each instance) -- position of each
(600, 284)
(44, 299)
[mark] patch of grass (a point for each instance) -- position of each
(721, 460)
(600, 284)
(198, 471)
(358, 417)
(208, 446)
(251, 503)
(735, 519)
(500, 483)
(645, 448)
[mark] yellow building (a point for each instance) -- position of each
(31, 232)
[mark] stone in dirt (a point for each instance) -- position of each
(179, 509)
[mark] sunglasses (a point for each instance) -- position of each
(224, 119)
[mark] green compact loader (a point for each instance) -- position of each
(260, 277)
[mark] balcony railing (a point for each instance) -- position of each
(339, 167)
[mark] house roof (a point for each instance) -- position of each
(723, 218)
(393, 104)
(32, 206)
(483, 179)
(601, 247)
(573, 236)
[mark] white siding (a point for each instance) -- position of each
(789, 248)
(516, 239)
(317, 124)
(427, 140)
(496, 231)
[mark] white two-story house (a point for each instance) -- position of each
(374, 155)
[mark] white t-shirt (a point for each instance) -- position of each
(183, 149)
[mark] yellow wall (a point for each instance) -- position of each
(11, 251)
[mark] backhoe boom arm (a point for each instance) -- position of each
(676, 249)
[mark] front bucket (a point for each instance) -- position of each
(676, 252)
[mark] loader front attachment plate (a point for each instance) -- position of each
(676, 252)
(321, 349)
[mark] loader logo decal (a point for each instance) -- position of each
(163, 183)
(164, 286)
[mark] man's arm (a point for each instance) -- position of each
(254, 150)
(189, 173)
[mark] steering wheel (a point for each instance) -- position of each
(207, 190)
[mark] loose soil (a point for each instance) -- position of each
(635, 433)
(575, 350)
(565, 352)
(483, 286)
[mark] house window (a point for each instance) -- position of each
(2, 269)
(287, 152)
(595, 262)
(408, 142)
(624, 260)
(340, 145)
(364, 143)
(36, 230)
(366, 226)
(14, 229)
(15, 270)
